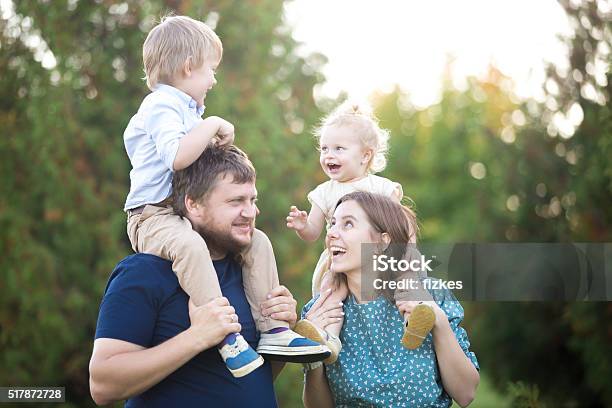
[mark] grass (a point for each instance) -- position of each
(487, 396)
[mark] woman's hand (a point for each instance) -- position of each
(406, 308)
(323, 315)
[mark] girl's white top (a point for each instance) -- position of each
(326, 195)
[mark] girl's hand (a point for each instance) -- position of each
(406, 308)
(297, 219)
(322, 315)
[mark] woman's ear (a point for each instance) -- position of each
(386, 240)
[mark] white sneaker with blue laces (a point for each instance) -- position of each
(238, 356)
(283, 344)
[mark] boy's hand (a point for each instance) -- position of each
(225, 133)
(297, 219)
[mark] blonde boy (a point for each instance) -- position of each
(167, 134)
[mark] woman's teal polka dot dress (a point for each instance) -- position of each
(375, 370)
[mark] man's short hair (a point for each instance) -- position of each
(170, 43)
(202, 176)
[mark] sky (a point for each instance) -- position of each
(374, 45)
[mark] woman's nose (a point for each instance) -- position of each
(332, 232)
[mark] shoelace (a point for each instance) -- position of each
(233, 350)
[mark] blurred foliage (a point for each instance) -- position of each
(525, 396)
(480, 166)
(65, 172)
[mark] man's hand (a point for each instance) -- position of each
(297, 219)
(210, 323)
(225, 133)
(280, 306)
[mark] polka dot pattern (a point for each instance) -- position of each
(375, 370)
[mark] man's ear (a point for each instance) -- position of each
(191, 205)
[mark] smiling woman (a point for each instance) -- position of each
(373, 369)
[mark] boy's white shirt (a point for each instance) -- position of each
(151, 141)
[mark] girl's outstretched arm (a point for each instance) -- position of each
(308, 226)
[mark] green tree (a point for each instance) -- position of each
(543, 176)
(564, 192)
(565, 197)
(70, 78)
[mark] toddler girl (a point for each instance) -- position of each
(352, 148)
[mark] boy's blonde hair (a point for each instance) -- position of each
(172, 42)
(360, 118)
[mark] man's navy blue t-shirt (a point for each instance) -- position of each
(144, 304)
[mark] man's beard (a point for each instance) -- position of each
(220, 241)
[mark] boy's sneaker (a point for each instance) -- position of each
(283, 344)
(307, 329)
(238, 356)
(419, 325)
